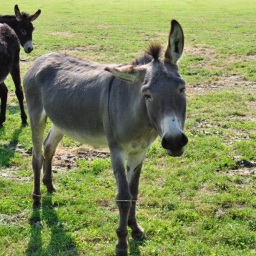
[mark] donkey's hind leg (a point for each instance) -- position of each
(3, 97)
(38, 123)
(50, 144)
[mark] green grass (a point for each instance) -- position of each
(199, 204)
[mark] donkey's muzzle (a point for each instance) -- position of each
(175, 144)
(29, 50)
(28, 47)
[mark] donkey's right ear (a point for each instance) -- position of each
(128, 73)
(17, 13)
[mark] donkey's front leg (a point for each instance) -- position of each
(123, 199)
(134, 165)
(15, 72)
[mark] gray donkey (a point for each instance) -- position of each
(85, 101)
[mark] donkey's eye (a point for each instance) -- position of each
(148, 97)
(23, 31)
(182, 90)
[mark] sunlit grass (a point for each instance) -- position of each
(194, 205)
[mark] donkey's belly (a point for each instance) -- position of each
(83, 137)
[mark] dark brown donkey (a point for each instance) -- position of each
(14, 30)
(124, 107)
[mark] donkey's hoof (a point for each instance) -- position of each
(120, 252)
(139, 236)
(49, 186)
(137, 231)
(51, 190)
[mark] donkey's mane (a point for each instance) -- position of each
(152, 53)
(13, 17)
(8, 16)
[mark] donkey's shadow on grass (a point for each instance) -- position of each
(47, 217)
(7, 152)
(134, 247)
(60, 242)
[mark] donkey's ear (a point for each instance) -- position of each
(34, 16)
(128, 73)
(17, 13)
(175, 43)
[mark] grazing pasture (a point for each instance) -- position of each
(203, 203)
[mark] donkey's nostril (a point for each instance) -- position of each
(165, 144)
(184, 139)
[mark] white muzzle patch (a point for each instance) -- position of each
(170, 125)
(28, 47)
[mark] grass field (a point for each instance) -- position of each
(203, 203)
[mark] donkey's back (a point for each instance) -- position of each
(70, 91)
(9, 50)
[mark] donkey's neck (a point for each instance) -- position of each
(10, 20)
(128, 105)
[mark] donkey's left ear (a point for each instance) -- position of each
(34, 16)
(128, 73)
(17, 13)
(175, 43)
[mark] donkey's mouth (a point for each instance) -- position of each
(176, 153)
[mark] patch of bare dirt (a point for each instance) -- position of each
(9, 174)
(6, 219)
(236, 135)
(62, 33)
(242, 172)
(244, 168)
(67, 157)
(82, 48)
(205, 190)
(200, 51)
(64, 159)
(220, 213)
(225, 82)
(209, 58)
(238, 58)
(105, 26)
